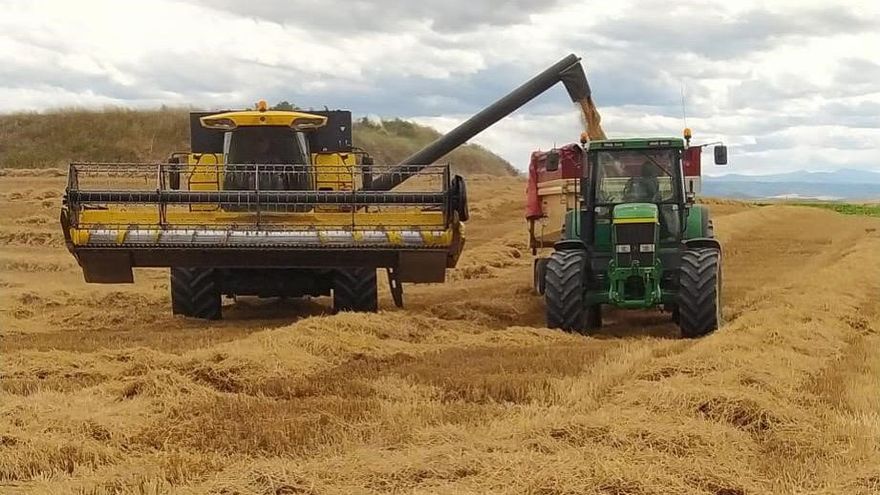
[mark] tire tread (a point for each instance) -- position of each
(699, 292)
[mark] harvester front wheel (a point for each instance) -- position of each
(195, 292)
(699, 297)
(565, 279)
(355, 289)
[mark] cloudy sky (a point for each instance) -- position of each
(788, 85)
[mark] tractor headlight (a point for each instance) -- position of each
(623, 248)
(646, 248)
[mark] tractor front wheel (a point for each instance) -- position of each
(699, 296)
(195, 292)
(355, 289)
(565, 279)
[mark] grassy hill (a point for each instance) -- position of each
(48, 140)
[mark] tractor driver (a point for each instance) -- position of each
(645, 188)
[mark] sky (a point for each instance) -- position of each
(787, 85)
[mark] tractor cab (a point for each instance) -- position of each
(635, 171)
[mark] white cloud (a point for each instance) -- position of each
(788, 84)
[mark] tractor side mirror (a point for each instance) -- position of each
(552, 161)
(720, 154)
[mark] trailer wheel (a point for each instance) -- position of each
(355, 289)
(195, 292)
(699, 296)
(564, 293)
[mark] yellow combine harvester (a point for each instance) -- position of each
(278, 203)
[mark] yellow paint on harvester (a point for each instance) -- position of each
(149, 217)
(395, 238)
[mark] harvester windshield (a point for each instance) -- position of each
(267, 145)
(629, 176)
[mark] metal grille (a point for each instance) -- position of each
(634, 235)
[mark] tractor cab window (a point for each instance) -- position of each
(268, 145)
(635, 176)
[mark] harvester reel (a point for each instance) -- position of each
(699, 297)
(195, 292)
(564, 293)
(355, 289)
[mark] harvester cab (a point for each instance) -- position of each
(280, 203)
(621, 217)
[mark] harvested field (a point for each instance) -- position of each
(103, 391)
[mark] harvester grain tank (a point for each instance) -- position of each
(279, 203)
(621, 218)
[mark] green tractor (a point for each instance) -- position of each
(634, 237)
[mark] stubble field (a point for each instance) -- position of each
(103, 391)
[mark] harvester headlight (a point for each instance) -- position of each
(307, 123)
(623, 248)
(646, 248)
(221, 123)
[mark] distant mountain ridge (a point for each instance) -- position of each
(844, 184)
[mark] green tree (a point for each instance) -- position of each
(285, 106)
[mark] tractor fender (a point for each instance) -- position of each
(570, 245)
(702, 243)
(698, 223)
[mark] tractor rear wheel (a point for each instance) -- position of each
(355, 289)
(195, 292)
(699, 296)
(564, 293)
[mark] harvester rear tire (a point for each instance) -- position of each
(564, 292)
(699, 296)
(195, 292)
(355, 289)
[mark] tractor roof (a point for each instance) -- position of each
(638, 143)
(270, 118)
